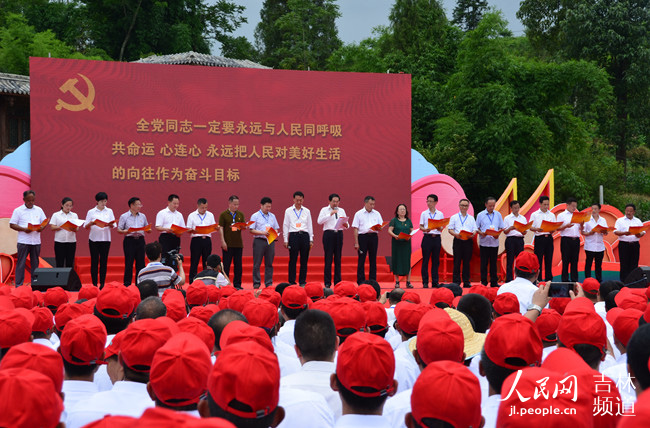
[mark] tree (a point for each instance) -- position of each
(238, 48)
(417, 24)
(467, 13)
(297, 34)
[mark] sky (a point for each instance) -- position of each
(359, 17)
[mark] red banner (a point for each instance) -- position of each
(149, 130)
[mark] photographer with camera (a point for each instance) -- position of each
(162, 274)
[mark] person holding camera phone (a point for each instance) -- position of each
(162, 275)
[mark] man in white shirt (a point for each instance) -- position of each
(316, 345)
(431, 242)
(201, 243)
(628, 245)
(264, 221)
(366, 240)
(526, 273)
(514, 238)
(488, 219)
(543, 240)
(570, 241)
(29, 239)
(594, 244)
(298, 237)
(332, 238)
(133, 243)
(463, 247)
(164, 221)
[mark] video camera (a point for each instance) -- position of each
(172, 258)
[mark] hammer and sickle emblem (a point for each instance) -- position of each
(85, 101)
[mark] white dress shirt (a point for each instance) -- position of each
(304, 409)
(314, 376)
(46, 342)
(490, 410)
(262, 221)
(623, 225)
(327, 220)
(572, 231)
(297, 221)
(397, 407)
(538, 216)
(523, 289)
(510, 221)
(485, 221)
(22, 216)
(195, 219)
(594, 242)
(287, 357)
(165, 218)
(99, 234)
(362, 421)
(457, 223)
(424, 220)
(75, 391)
(364, 220)
(406, 368)
(62, 235)
(125, 399)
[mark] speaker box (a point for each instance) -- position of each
(638, 278)
(65, 278)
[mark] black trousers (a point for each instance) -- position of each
(628, 256)
(368, 245)
(544, 252)
(570, 248)
(463, 250)
(234, 256)
(133, 252)
(98, 260)
(64, 253)
(24, 250)
(431, 245)
(333, 248)
(200, 250)
(592, 256)
(169, 241)
(489, 259)
(514, 246)
(298, 245)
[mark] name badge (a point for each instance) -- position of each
(233, 228)
(298, 225)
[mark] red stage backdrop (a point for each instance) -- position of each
(150, 130)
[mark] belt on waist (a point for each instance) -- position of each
(514, 237)
(202, 237)
(134, 237)
(300, 232)
(570, 237)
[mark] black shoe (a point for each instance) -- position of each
(425, 285)
(397, 284)
(408, 285)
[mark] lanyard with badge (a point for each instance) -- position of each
(232, 226)
(298, 214)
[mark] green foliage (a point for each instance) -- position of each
(467, 13)
(416, 24)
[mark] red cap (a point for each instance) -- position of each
(347, 313)
(646, 314)
(366, 361)
(214, 294)
(439, 338)
(242, 372)
(198, 328)
(113, 348)
(367, 293)
(175, 303)
(23, 297)
(27, 313)
(346, 289)
(239, 332)
(6, 304)
(156, 417)
(197, 293)
(586, 327)
(547, 323)
(38, 298)
(641, 413)
(513, 336)
(261, 313)
(271, 295)
(114, 301)
(315, 290)
(506, 303)
(559, 304)
(55, 296)
(15, 329)
(580, 304)
(626, 324)
(39, 358)
(442, 294)
(612, 314)
(83, 341)
(228, 291)
(141, 341)
(135, 295)
(43, 319)
(295, 297)
(483, 290)
(408, 316)
(29, 399)
(457, 392)
(411, 296)
(88, 292)
(527, 262)
(170, 324)
(591, 286)
(239, 298)
(180, 369)
(376, 317)
(627, 299)
(89, 305)
(204, 313)
(110, 421)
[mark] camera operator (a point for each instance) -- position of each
(162, 275)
